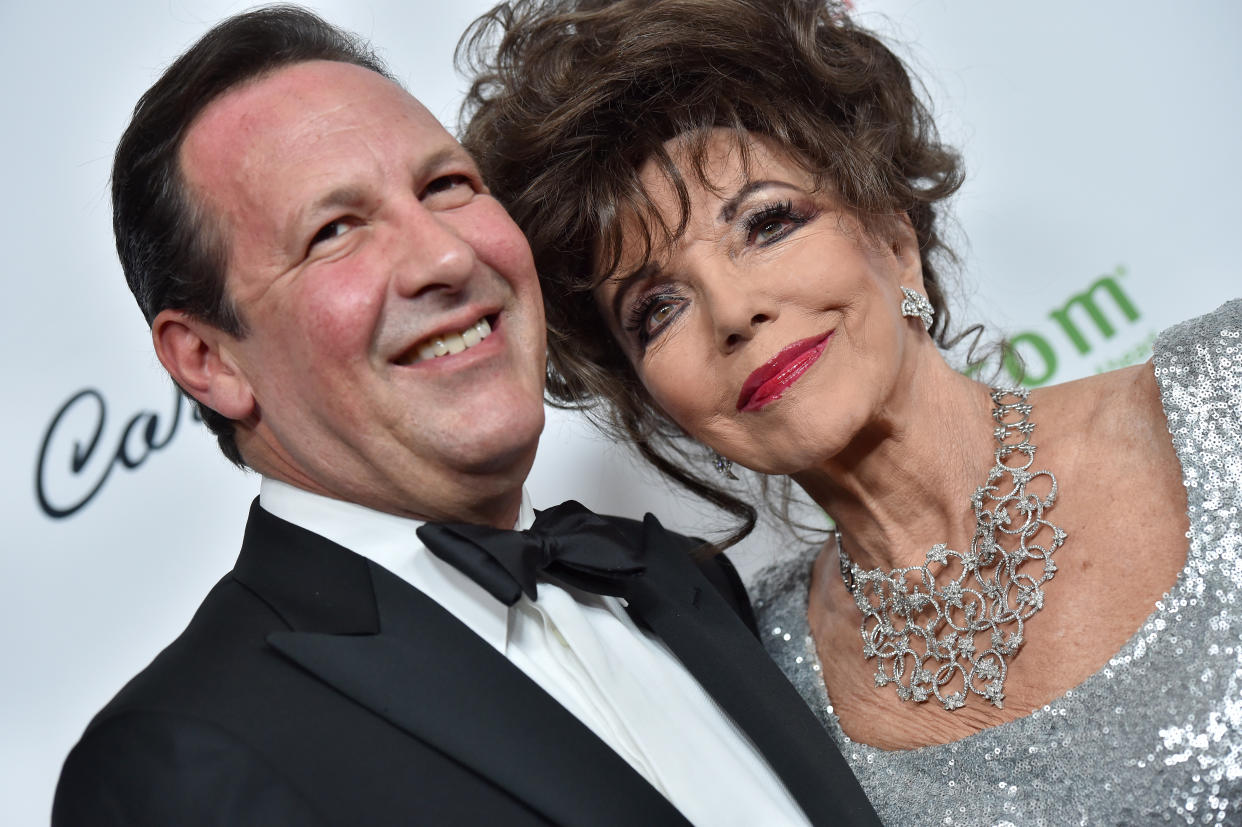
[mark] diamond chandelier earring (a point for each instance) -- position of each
(915, 303)
(724, 467)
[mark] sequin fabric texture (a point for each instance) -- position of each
(1155, 737)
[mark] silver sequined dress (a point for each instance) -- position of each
(1155, 736)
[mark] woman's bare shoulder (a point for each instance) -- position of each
(1118, 405)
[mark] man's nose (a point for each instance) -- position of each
(435, 256)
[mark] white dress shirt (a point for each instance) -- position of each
(584, 651)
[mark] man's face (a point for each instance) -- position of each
(361, 242)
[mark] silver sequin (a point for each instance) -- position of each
(1153, 737)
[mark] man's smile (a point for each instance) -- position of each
(445, 344)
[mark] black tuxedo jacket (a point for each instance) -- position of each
(314, 687)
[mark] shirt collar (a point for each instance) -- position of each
(391, 541)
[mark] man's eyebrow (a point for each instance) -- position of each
(351, 196)
(446, 154)
(346, 196)
(298, 218)
(729, 208)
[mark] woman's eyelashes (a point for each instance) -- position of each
(651, 313)
(772, 222)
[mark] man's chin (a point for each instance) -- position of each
(510, 456)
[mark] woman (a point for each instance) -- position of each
(733, 205)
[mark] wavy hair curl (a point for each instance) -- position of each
(570, 98)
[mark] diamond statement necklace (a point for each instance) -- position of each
(923, 624)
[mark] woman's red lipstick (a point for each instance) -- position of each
(770, 379)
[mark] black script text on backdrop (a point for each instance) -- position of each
(139, 439)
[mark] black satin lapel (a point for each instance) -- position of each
(311, 582)
(431, 676)
(678, 604)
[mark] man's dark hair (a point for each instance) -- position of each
(172, 249)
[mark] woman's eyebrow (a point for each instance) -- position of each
(625, 284)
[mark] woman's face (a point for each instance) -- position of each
(771, 329)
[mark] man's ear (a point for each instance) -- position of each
(198, 357)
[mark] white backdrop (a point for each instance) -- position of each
(1100, 141)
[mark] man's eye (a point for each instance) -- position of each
(448, 191)
(446, 182)
(330, 231)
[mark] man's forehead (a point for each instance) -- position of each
(294, 108)
(265, 151)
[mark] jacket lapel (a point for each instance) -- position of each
(390, 648)
(676, 602)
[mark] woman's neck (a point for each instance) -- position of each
(904, 484)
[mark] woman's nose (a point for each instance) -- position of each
(739, 307)
(732, 338)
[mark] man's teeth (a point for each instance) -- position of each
(455, 342)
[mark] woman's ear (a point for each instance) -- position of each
(199, 357)
(904, 243)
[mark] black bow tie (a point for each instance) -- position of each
(568, 543)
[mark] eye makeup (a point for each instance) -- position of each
(651, 312)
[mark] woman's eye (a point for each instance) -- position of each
(768, 231)
(659, 316)
(772, 223)
(651, 316)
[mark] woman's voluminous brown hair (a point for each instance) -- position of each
(570, 98)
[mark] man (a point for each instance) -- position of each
(326, 275)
